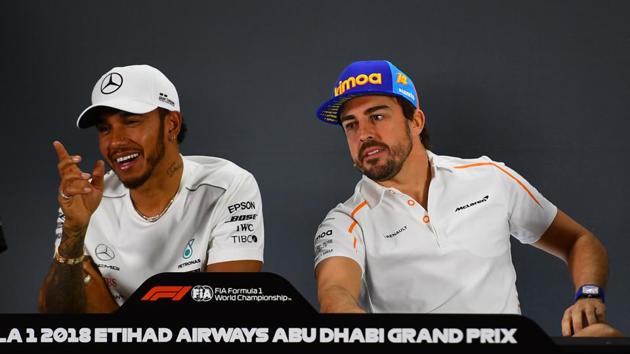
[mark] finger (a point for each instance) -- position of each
(62, 153)
(69, 164)
(600, 312)
(77, 180)
(98, 175)
(73, 190)
(590, 316)
(576, 321)
(74, 176)
(566, 323)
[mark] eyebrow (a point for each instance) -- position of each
(101, 119)
(366, 112)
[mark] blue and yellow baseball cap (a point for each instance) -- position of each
(374, 77)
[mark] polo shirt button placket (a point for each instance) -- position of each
(426, 220)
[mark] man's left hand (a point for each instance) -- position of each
(584, 312)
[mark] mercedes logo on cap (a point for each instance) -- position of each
(104, 253)
(111, 83)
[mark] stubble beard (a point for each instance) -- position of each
(152, 161)
(397, 156)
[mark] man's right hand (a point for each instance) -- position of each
(78, 195)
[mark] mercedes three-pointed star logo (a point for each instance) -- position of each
(111, 83)
(104, 253)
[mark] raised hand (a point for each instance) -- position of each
(78, 195)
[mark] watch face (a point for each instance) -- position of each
(590, 290)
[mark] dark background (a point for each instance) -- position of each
(541, 85)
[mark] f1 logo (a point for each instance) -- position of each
(175, 293)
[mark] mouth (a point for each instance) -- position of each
(373, 152)
(125, 161)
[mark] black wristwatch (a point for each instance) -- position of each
(589, 291)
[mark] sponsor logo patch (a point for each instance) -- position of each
(482, 200)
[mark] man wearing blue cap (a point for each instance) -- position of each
(429, 233)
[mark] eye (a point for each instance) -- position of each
(102, 129)
(347, 126)
(133, 121)
(377, 117)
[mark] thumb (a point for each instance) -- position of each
(98, 175)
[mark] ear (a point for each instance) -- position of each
(172, 124)
(417, 123)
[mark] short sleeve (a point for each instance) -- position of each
(339, 235)
(529, 212)
(238, 233)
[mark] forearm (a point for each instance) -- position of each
(64, 288)
(336, 299)
(588, 261)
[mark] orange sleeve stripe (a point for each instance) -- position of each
(356, 210)
(507, 173)
(354, 223)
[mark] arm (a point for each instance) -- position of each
(74, 289)
(338, 285)
(235, 266)
(65, 288)
(237, 239)
(588, 264)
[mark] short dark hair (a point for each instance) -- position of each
(182, 130)
(408, 111)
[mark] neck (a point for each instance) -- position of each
(155, 194)
(414, 177)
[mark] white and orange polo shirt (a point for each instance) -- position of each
(452, 258)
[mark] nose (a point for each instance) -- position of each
(117, 136)
(366, 132)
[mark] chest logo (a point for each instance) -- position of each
(104, 252)
(395, 233)
(482, 200)
(188, 250)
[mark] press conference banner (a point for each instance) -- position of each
(243, 312)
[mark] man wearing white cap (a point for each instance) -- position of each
(428, 233)
(155, 211)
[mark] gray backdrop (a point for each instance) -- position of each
(541, 85)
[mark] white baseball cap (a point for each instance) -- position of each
(135, 89)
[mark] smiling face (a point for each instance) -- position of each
(132, 144)
(379, 136)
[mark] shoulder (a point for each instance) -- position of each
(213, 171)
(461, 163)
(479, 166)
(348, 208)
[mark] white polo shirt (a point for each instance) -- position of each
(216, 216)
(453, 258)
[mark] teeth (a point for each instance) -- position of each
(373, 152)
(126, 158)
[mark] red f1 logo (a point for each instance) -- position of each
(175, 293)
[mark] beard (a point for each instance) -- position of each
(152, 161)
(398, 154)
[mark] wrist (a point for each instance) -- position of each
(73, 232)
(589, 291)
(68, 260)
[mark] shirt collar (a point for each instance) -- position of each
(373, 192)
